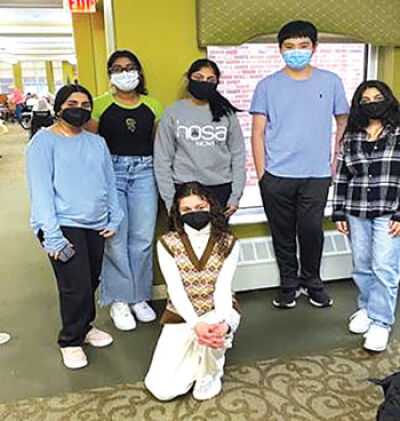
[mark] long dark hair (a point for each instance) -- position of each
(65, 92)
(141, 88)
(219, 105)
(357, 121)
(219, 225)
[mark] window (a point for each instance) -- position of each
(243, 66)
(34, 77)
(6, 77)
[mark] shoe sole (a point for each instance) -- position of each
(277, 304)
(74, 367)
(320, 305)
(369, 348)
(123, 328)
(70, 367)
(145, 320)
(204, 397)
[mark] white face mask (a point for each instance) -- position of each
(125, 81)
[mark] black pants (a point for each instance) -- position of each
(221, 192)
(296, 206)
(77, 281)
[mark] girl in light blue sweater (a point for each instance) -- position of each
(74, 209)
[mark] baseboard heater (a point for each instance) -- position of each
(257, 266)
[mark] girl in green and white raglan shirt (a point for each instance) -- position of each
(199, 139)
(127, 119)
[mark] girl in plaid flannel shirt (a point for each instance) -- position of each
(367, 207)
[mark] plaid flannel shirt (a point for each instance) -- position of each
(367, 183)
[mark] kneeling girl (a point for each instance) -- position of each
(198, 258)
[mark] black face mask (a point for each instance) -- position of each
(196, 220)
(202, 90)
(76, 117)
(376, 109)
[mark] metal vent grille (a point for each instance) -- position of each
(257, 266)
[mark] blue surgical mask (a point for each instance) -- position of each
(297, 59)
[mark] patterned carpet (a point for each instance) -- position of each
(328, 387)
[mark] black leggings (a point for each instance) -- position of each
(77, 281)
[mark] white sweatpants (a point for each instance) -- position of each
(179, 360)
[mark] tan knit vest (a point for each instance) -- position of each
(198, 276)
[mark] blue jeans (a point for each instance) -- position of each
(127, 274)
(376, 267)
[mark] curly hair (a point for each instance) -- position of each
(219, 224)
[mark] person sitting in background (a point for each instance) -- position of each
(366, 206)
(74, 209)
(198, 258)
(41, 116)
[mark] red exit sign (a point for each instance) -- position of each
(81, 6)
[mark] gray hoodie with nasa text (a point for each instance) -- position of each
(189, 146)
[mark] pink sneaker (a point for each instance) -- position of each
(74, 357)
(98, 338)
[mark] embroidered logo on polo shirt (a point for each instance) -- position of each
(131, 124)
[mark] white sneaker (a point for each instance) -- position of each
(207, 388)
(98, 338)
(377, 338)
(143, 312)
(74, 357)
(4, 337)
(122, 316)
(359, 321)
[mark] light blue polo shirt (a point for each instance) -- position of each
(299, 125)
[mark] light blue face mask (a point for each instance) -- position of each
(297, 59)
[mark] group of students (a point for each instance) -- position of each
(95, 176)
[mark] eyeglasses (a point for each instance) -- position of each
(120, 69)
(201, 78)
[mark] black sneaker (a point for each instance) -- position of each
(286, 298)
(318, 297)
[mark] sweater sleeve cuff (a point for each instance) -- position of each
(193, 322)
(396, 217)
(338, 216)
(233, 200)
(54, 244)
(113, 227)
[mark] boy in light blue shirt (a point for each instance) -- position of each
(292, 130)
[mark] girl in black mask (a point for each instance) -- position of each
(74, 210)
(199, 139)
(198, 258)
(367, 205)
